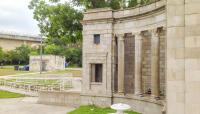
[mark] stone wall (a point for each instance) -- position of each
(112, 26)
(146, 62)
(60, 98)
(51, 62)
(129, 63)
(141, 105)
(183, 49)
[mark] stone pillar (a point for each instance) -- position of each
(120, 64)
(138, 64)
(155, 83)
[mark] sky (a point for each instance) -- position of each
(15, 17)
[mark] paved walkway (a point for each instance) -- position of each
(28, 105)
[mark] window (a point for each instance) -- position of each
(96, 72)
(97, 39)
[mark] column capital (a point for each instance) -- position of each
(120, 36)
(138, 35)
(154, 32)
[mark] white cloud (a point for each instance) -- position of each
(16, 17)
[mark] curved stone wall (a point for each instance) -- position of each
(119, 28)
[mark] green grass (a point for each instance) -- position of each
(95, 110)
(10, 71)
(6, 94)
(75, 73)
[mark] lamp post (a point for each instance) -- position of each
(41, 42)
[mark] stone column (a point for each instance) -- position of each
(120, 64)
(138, 64)
(155, 83)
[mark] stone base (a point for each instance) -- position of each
(71, 98)
(144, 105)
(102, 101)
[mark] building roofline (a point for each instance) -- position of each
(25, 37)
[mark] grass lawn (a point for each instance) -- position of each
(75, 73)
(10, 71)
(95, 110)
(6, 94)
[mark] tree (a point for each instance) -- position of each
(23, 53)
(59, 22)
(74, 56)
(91, 4)
(54, 49)
(115, 4)
(12, 57)
(132, 3)
(1, 55)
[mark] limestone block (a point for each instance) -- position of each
(192, 41)
(192, 20)
(175, 2)
(192, 1)
(180, 53)
(192, 8)
(192, 30)
(192, 75)
(175, 36)
(192, 53)
(175, 15)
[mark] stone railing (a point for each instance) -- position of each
(38, 84)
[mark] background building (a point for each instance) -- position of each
(11, 41)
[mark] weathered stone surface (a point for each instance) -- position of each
(71, 98)
(117, 52)
(49, 63)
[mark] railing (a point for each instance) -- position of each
(38, 84)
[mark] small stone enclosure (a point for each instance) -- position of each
(49, 63)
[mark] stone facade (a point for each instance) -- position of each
(125, 51)
(183, 80)
(10, 42)
(149, 56)
(49, 63)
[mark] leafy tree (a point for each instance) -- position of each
(59, 22)
(74, 56)
(1, 55)
(12, 57)
(115, 4)
(90, 4)
(23, 53)
(132, 3)
(54, 49)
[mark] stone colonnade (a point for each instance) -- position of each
(155, 89)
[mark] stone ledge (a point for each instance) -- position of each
(143, 98)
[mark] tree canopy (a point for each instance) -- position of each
(114, 4)
(59, 22)
(1, 55)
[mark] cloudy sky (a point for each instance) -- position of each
(16, 17)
